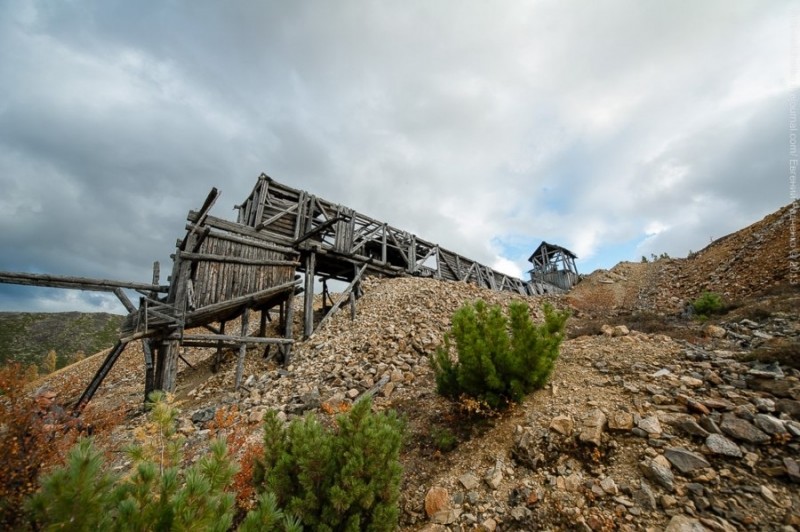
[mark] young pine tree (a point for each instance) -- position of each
(348, 479)
(499, 360)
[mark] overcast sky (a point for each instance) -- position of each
(614, 128)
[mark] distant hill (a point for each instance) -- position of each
(27, 337)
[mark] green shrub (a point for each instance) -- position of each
(157, 495)
(344, 479)
(708, 303)
(500, 359)
(443, 439)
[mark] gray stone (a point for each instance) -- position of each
(793, 427)
(620, 421)
(690, 426)
(659, 472)
(769, 424)
(206, 414)
(792, 469)
(742, 429)
(593, 426)
(494, 476)
(719, 444)
(710, 425)
(682, 523)
(685, 460)
(650, 425)
(609, 486)
(469, 481)
(644, 497)
(446, 517)
(519, 513)
(562, 424)
(764, 404)
(788, 406)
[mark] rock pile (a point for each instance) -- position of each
(648, 432)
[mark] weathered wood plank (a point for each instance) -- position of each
(76, 283)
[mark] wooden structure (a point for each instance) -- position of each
(553, 266)
(223, 270)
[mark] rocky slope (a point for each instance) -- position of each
(637, 430)
(736, 266)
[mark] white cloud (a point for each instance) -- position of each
(591, 126)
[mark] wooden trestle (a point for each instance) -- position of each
(222, 270)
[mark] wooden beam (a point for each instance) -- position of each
(345, 295)
(209, 311)
(288, 330)
(210, 257)
(124, 300)
(234, 339)
(75, 283)
(273, 219)
(317, 230)
(308, 307)
(242, 347)
(100, 375)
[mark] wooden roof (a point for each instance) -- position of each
(549, 250)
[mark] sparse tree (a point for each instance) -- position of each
(49, 362)
(31, 373)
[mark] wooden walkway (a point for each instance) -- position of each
(223, 270)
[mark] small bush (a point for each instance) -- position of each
(157, 494)
(443, 439)
(500, 359)
(347, 479)
(707, 304)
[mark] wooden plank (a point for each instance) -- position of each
(75, 283)
(251, 242)
(345, 295)
(288, 329)
(100, 375)
(233, 227)
(234, 339)
(275, 218)
(242, 347)
(205, 313)
(211, 199)
(308, 308)
(123, 298)
(232, 259)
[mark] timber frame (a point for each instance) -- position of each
(223, 270)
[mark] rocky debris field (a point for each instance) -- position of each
(749, 262)
(637, 430)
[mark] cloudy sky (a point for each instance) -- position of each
(615, 128)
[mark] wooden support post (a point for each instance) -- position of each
(100, 375)
(218, 355)
(383, 244)
(262, 324)
(308, 323)
(288, 329)
(242, 348)
(124, 300)
(149, 369)
(170, 351)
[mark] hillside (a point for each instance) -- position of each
(737, 266)
(27, 337)
(667, 423)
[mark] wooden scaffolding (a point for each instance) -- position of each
(224, 270)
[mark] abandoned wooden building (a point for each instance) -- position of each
(553, 266)
(224, 270)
